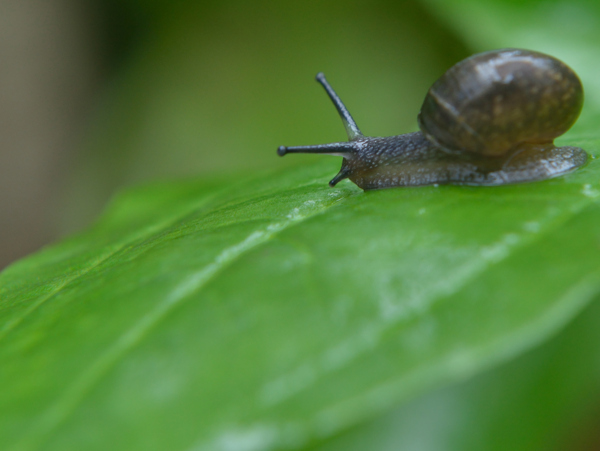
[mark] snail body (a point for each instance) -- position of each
(489, 120)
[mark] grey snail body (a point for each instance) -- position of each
(489, 120)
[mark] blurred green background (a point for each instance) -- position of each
(134, 91)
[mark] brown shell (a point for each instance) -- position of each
(491, 102)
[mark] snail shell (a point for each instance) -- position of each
(491, 102)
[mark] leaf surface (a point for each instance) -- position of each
(275, 311)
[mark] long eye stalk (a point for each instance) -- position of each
(337, 149)
(342, 149)
(351, 128)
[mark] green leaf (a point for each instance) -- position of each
(276, 311)
(545, 399)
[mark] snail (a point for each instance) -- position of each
(491, 119)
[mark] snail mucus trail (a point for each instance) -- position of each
(489, 120)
